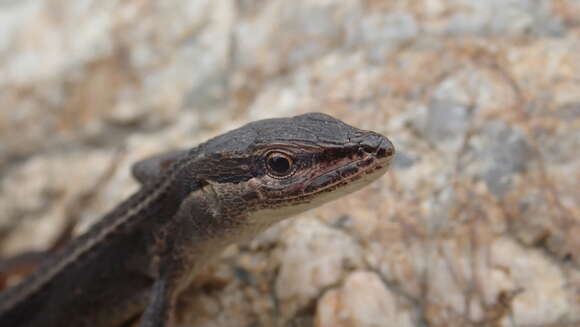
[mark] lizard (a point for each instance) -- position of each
(132, 265)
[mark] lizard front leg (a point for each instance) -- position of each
(178, 250)
(161, 307)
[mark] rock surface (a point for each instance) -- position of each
(476, 224)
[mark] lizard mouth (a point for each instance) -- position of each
(347, 174)
(373, 162)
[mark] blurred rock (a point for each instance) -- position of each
(362, 301)
(331, 252)
(476, 224)
(503, 153)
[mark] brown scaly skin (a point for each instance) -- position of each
(139, 257)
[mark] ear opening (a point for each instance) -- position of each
(202, 182)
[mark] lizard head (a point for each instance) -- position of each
(277, 168)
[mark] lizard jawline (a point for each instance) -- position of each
(371, 170)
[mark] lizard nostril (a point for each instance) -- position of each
(385, 149)
(375, 144)
(381, 152)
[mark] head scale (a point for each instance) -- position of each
(271, 169)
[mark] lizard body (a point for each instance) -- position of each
(192, 204)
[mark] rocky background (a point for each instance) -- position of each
(476, 224)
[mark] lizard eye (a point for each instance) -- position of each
(279, 164)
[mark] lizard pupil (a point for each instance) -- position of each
(279, 164)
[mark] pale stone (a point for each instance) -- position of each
(315, 257)
(476, 223)
(543, 299)
(363, 301)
